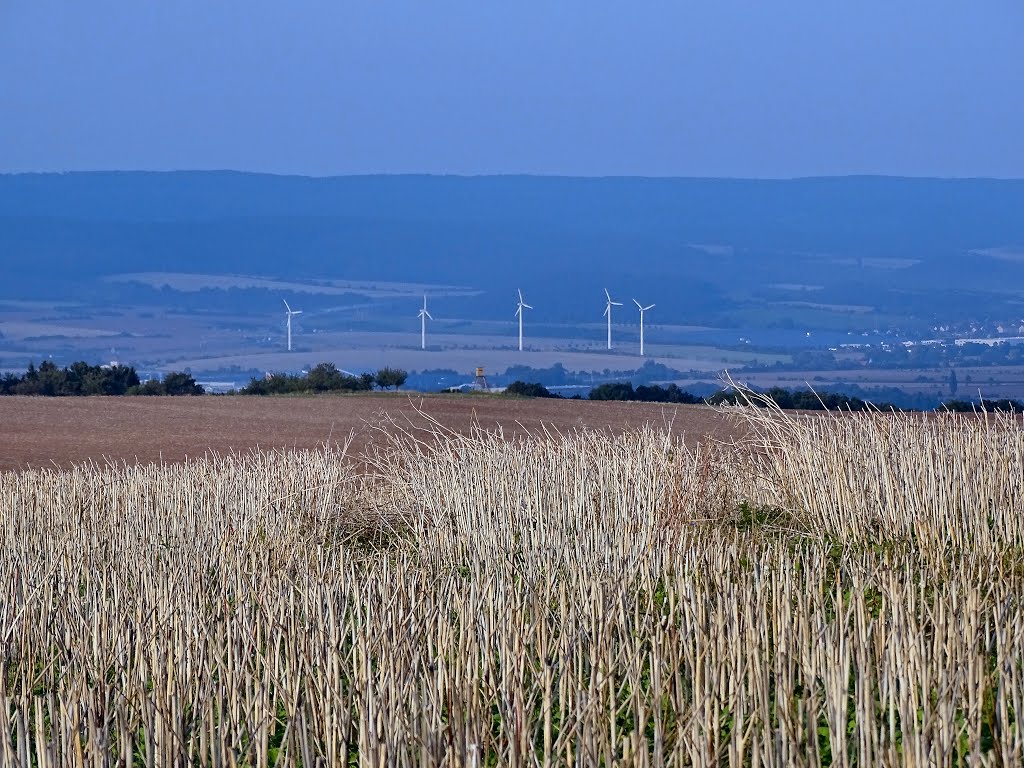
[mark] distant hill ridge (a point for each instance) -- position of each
(691, 245)
(878, 200)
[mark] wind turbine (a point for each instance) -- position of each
(423, 315)
(642, 310)
(608, 313)
(290, 313)
(519, 311)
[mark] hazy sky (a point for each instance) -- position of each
(711, 88)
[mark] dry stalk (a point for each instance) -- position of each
(574, 598)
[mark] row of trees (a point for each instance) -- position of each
(325, 377)
(172, 384)
(799, 400)
(82, 379)
(805, 400)
(644, 393)
(967, 406)
(528, 389)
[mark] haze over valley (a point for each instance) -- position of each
(189, 270)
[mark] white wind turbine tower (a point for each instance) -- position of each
(519, 311)
(290, 313)
(423, 315)
(642, 310)
(608, 313)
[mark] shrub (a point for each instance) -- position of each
(524, 389)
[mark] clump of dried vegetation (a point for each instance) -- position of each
(837, 590)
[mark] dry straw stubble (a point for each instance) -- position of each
(579, 598)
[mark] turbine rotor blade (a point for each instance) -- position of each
(527, 306)
(608, 295)
(650, 307)
(638, 304)
(286, 305)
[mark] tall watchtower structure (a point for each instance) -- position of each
(480, 381)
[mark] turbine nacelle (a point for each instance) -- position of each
(610, 304)
(424, 312)
(522, 304)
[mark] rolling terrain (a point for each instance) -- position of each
(188, 270)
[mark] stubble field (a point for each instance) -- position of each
(823, 591)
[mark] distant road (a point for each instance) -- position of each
(43, 431)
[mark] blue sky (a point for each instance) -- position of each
(322, 87)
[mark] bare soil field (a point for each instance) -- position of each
(45, 431)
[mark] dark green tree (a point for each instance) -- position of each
(255, 386)
(178, 383)
(151, 388)
(325, 377)
(9, 384)
(613, 391)
(117, 379)
(390, 377)
(525, 389)
(50, 380)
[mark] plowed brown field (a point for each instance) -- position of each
(44, 431)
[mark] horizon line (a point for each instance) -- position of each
(500, 175)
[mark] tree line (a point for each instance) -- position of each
(969, 406)
(324, 377)
(82, 379)
(623, 391)
(644, 393)
(799, 400)
(803, 400)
